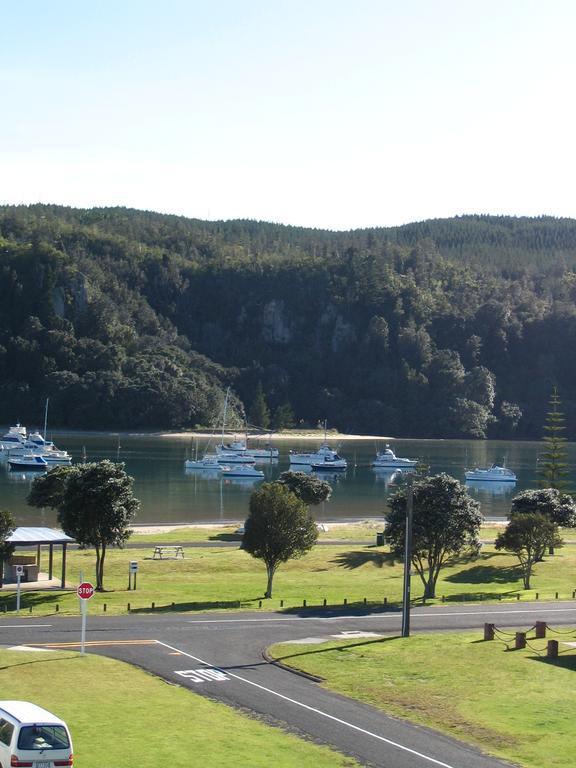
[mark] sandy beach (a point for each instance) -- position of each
(279, 436)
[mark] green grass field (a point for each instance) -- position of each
(514, 704)
(230, 578)
(361, 531)
(121, 716)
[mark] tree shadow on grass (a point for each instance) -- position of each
(363, 643)
(226, 537)
(357, 559)
(562, 662)
(188, 607)
(486, 574)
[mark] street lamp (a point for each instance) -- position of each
(407, 558)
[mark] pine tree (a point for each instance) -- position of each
(259, 414)
(553, 468)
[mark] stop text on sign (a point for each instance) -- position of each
(85, 590)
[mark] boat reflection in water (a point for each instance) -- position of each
(490, 487)
(391, 477)
(243, 482)
(19, 476)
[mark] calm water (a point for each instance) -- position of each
(169, 494)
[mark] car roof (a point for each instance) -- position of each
(26, 712)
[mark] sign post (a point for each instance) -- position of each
(84, 591)
(132, 569)
(19, 574)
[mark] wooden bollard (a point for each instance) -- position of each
(345, 601)
(324, 602)
(128, 607)
(520, 641)
(540, 629)
(573, 594)
(385, 602)
(104, 608)
(537, 596)
(153, 606)
(281, 603)
(556, 595)
(303, 603)
(488, 631)
(259, 603)
(518, 596)
(552, 649)
(57, 607)
(365, 601)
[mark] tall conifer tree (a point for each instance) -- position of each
(553, 468)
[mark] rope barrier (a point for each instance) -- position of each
(560, 632)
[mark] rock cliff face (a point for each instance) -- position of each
(276, 327)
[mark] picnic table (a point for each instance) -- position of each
(168, 553)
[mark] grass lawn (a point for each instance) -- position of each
(121, 716)
(230, 578)
(361, 531)
(514, 704)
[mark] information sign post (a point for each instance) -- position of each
(19, 574)
(132, 570)
(85, 591)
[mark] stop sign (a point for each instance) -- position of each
(85, 590)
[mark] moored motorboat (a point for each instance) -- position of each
(209, 462)
(241, 470)
(495, 473)
(387, 459)
(28, 461)
(330, 464)
(14, 438)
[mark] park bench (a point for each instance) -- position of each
(164, 553)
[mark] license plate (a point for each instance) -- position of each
(43, 764)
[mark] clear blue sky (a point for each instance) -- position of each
(328, 113)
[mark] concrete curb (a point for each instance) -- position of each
(271, 660)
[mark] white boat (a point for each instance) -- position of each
(208, 462)
(14, 438)
(240, 446)
(235, 457)
(47, 449)
(330, 464)
(494, 473)
(241, 470)
(28, 461)
(387, 459)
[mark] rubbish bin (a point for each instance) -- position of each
(380, 539)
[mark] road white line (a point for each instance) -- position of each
(314, 709)
(398, 615)
(23, 626)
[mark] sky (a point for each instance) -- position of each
(336, 114)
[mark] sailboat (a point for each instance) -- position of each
(323, 454)
(35, 444)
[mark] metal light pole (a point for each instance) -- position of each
(407, 559)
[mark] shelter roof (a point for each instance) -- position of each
(38, 536)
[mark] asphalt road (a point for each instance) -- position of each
(221, 656)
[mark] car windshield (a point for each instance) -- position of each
(43, 737)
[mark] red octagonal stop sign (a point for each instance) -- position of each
(85, 590)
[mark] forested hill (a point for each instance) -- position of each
(128, 319)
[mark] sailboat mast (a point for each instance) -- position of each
(46, 417)
(225, 411)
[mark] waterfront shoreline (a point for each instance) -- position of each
(276, 436)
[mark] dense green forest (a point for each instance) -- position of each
(129, 319)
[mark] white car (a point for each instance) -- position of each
(32, 736)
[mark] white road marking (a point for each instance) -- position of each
(31, 648)
(398, 615)
(203, 675)
(23, 626)
(316, 711)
